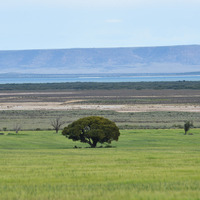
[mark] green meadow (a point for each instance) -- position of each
(143, 164)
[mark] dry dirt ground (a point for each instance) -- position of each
(118, 108)
(117, 100)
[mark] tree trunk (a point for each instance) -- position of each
(185, 132)
(94, 144)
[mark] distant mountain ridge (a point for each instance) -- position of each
(166, 59)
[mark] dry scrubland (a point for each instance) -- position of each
(128, 108)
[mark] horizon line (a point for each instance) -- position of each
(74, 48)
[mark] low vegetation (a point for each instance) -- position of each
(41, 119)
(143, 164)
(177, 85)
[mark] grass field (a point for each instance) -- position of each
(143, 164)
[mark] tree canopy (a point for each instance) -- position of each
(92, 130)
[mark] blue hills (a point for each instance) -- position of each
(166, 59)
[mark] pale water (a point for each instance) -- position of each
(82, 78)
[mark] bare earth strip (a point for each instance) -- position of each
(118, 108)
(116, 100)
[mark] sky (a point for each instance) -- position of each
(61, 24)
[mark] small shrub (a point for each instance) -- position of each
(177, 126)
(187, 126)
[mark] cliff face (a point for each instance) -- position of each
(103, 60)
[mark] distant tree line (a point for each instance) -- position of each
(176, 85)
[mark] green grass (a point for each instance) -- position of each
(143, 164)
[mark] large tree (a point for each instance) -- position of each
(92, 130)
